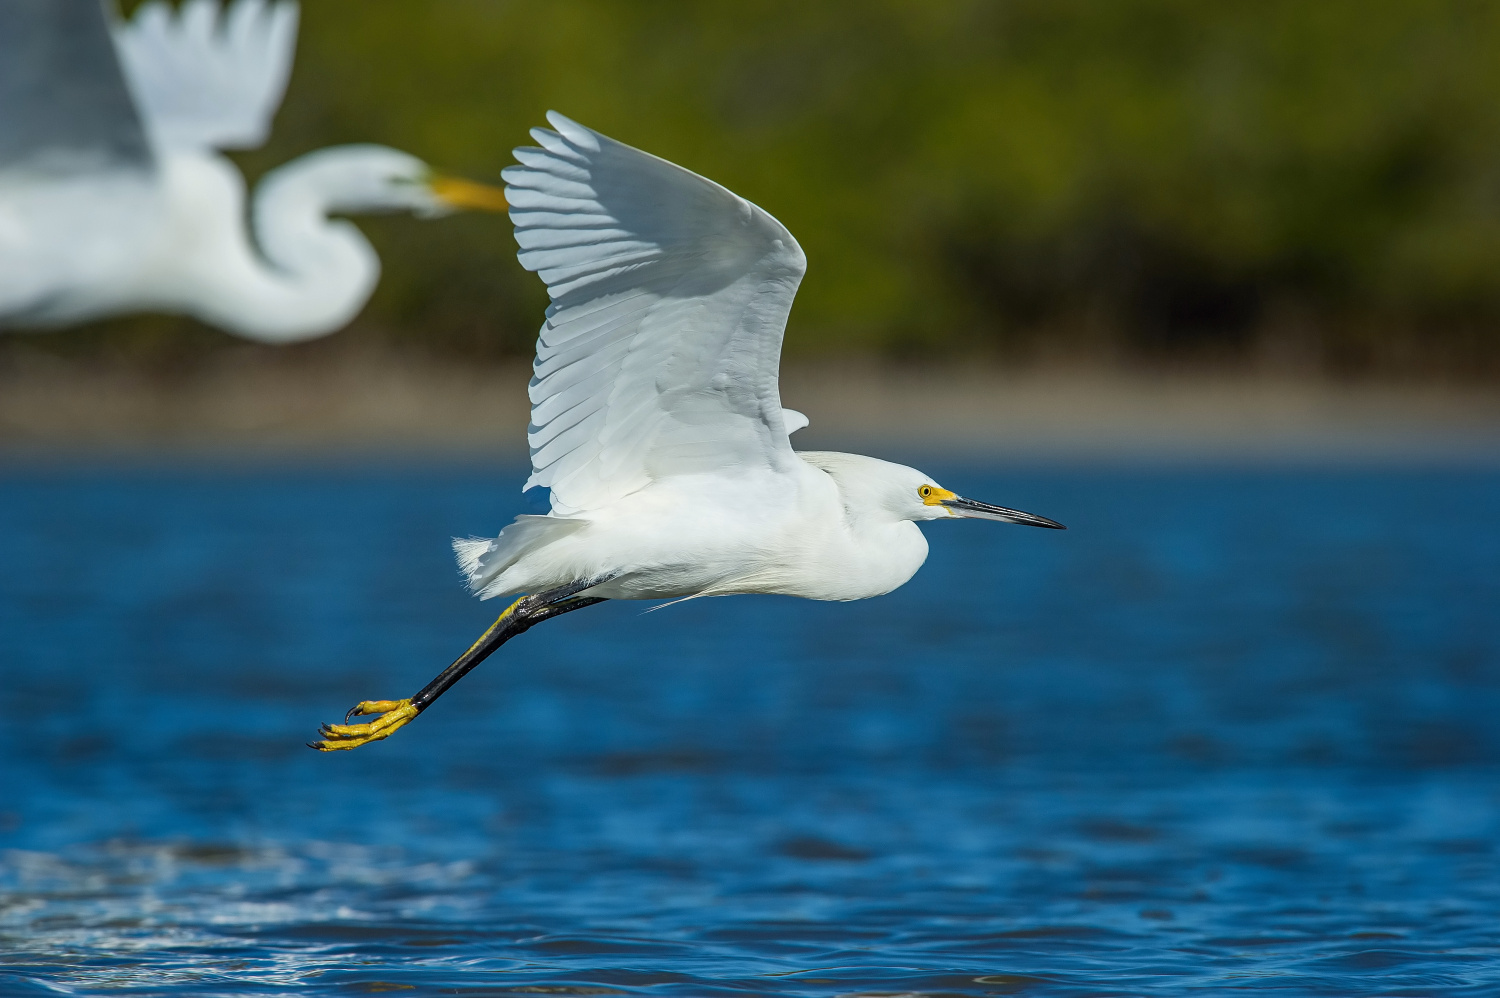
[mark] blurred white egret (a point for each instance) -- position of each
(656, 418)
(114, 197)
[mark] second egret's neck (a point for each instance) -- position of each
(304, 275)
(291, 212)
(327, 263)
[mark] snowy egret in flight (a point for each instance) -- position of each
(115, 199)
(656, 418)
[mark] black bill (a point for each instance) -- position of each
(984, 511)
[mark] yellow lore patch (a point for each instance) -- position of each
(931, 495)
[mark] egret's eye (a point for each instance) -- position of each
(925, 491)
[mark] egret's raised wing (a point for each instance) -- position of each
(63, 102)
(669, 299)
(205, 78)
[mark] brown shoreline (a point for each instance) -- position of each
(374, 404)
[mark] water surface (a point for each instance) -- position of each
(1235, 730)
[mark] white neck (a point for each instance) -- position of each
(312, 274)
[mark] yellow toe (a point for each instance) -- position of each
(393, 715)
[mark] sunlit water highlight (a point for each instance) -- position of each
(1234, 730)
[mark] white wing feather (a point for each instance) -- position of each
(670, 296)
(206, 78)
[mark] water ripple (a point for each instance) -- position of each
(1189, 748)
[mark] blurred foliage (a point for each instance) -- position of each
(1316, 182)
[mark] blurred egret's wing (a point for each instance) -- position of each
(206, 78)
(670, 295)
(63, 103)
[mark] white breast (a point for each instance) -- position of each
(718, 535)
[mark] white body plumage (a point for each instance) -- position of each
(833, 527)
(656, 417)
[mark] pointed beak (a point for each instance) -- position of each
(456, 192)
(984, 511)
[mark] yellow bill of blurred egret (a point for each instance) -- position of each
(114, 197)
(656, 419)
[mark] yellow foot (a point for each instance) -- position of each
(393, 714)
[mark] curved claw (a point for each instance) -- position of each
(394, 714)
(365, 707)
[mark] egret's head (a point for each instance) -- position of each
(937, 503)
(366, 179)
(874, 487)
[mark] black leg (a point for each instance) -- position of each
(522, 615)
(518, 618)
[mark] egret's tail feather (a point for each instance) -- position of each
(470, 551)
(485, 560)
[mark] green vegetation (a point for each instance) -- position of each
(1135, 179)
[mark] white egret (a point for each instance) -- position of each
(114, 197)
(656, 419)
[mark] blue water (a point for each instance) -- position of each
(1235, 730)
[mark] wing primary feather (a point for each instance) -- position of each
(571, 386)
(571, 237)
(566, 441)
(561, 319)
(541, 159)
(584, 139)
(553, 143)
(606, 344)
(539, 436)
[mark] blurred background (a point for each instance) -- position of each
(1277, 183)
(1215, 284)
(1175, 190)
(1152, 181)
